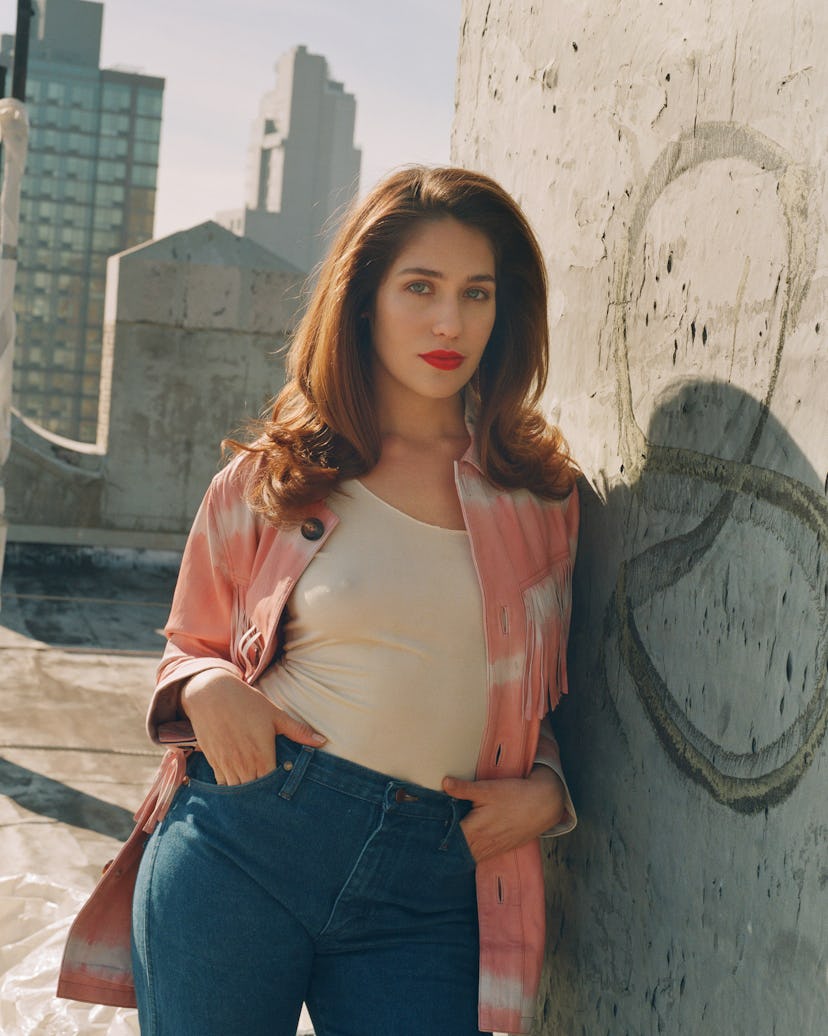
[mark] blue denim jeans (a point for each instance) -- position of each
(322, 881)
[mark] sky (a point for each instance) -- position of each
(218, 57)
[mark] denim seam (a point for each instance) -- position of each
(351, 874)
(153, 1005)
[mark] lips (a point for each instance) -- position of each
(443, 359)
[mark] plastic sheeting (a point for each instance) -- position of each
(35, 914)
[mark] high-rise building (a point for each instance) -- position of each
(88, 192)
(303, 167)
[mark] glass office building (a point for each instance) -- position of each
(88, 192)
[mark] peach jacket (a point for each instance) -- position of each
(236, 576)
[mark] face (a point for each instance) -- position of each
(434, 311)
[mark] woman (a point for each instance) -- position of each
(369, 627)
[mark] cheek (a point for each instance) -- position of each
(486, 327)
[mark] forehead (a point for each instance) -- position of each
(446, 245)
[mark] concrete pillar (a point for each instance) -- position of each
(673, 159)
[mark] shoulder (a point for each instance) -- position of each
(225, 509)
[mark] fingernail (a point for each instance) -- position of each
(320, 739)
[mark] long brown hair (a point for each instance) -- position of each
(323, 426)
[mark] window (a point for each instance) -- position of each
(80, 168)
(82, 120)
(145, 151)
(56, 92)
(83, 95)
(108, 241)
(79, 144)
(77, 190)
(148, 129)
(112, 124)
(149, 102)
(75, 215)
(66, 282)
(144, 175)
(106, 217)
(71, 237)
(117, 97)
(35, 88)
(111, 172)
(109, 194)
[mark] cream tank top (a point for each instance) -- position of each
(384, 644)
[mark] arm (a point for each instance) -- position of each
(200, 676)
(199, 627)
(510, 812)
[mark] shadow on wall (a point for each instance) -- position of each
(699, 706)
(718, 612)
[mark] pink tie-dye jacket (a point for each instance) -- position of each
(236, 576)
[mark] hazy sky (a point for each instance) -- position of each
(217, 57)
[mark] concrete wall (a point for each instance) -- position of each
(194, 327)
(673, 159)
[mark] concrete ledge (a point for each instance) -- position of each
(96, 537)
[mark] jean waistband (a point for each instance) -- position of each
(370, 785)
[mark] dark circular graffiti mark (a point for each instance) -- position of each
(746, 782)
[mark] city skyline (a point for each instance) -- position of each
(218, 59)
(88, 192)
(302, 166)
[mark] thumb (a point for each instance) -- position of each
(460, 789)
(296, 730)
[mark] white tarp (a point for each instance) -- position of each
(35, 913)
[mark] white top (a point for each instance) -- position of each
(384, 644)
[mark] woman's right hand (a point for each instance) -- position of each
(236, 726)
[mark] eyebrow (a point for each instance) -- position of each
(422, 271)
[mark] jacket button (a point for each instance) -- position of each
(312, 529)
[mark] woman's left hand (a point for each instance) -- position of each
(510, 812)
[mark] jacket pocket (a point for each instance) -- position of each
(547, 601)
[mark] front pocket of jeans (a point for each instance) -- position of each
(465, 848)
(202, 777)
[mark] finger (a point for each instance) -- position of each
(461, 789)
(297, 731)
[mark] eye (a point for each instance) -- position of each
(477, 294)
(418, 288)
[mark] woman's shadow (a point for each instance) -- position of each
(713, 608)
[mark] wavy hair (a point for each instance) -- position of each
(323, 426)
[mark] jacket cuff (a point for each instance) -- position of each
(165, 704)
(570, 818)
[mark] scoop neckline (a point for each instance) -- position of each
(404, 514)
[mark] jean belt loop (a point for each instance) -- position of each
(297, 771)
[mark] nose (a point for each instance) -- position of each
(448, 322)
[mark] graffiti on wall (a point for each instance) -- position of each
(731, 563)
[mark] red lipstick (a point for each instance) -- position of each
(443, 359)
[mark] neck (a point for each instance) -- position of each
(407, 416)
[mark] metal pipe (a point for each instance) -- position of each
(25, 10)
